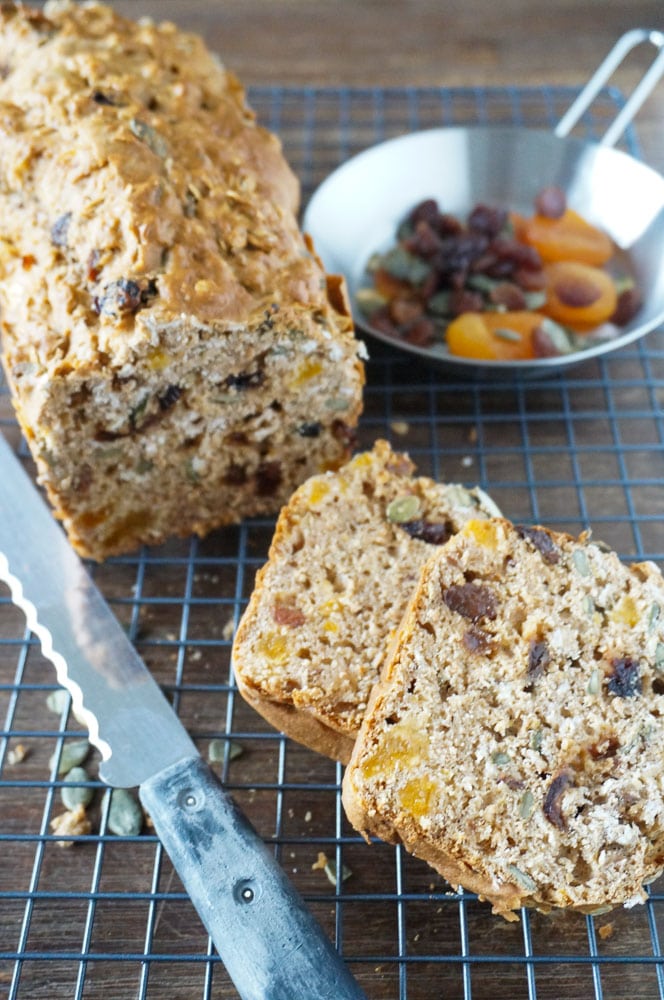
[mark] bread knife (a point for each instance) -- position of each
(272, 947)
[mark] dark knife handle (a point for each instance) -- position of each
(270, 944)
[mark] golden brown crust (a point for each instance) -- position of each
(177, 356)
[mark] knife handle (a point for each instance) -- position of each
(272, 947)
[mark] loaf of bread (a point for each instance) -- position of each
(177, 356)
(515, 738)
(345, 559)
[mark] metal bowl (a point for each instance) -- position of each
(356, 210)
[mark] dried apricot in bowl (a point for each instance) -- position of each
(578, 295)
(493, 336)
(568, 237)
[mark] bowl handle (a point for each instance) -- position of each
(604, 71)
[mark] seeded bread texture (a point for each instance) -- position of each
(177, 356)
(515, 739)
(345, 558)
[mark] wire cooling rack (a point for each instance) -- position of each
(107, 917)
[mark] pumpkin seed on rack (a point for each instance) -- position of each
(72, 754)
(217, 750)
(330, 870)
(75, 792)
(125, 816)
(58, 701)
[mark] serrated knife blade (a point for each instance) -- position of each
(270, 944)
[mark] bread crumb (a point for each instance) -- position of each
(320, 864)
(605, 931)
(400, 427)
(17, 754)
(73, 823)
(467, 461)
(228, 630)
(472, 435)
(308, 816)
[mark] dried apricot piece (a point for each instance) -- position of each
(493, 336)
(569, 237)
(578, 295)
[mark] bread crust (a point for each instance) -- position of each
(177, 356)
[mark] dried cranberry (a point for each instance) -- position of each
(472, 600)
(625, 679)
(541, 539)
(432, 532)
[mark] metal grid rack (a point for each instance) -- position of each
(108, 918)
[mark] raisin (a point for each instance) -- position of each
(235, 475)
(541, 539)
(342, 432)
(552, 804)
(433, 532)
(551, 202)
(268, 478)
(169, 397)
(125, 296)
(488, 220)
(538, 659)
(476, 640)
(471, 600)
(99, 97)
(310, 430)
(625, 679)
(629, 303)
(424, 211)
(59, 230)
(245, 380)
(288, 614)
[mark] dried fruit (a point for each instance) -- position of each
(125, 296)
(552, 803)
(542, 541)
(59, 230)
(288, 615)
(444, 273)
(472, 600)
(432, 532)
(538, 659)
(625, 678)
